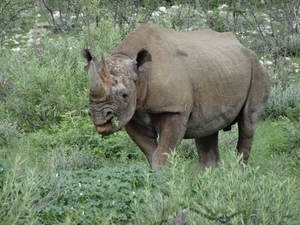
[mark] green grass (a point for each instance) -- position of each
(231, 194)
(264, 192)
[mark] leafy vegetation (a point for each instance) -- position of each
(231, 195)
(54, 167)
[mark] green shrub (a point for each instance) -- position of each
(286, 139)
(292, 47)
(75, 144)
(79, 131)
(3, 171)
(13, 14)
(97, 196)
(19, 193)
(294, 113)
(104, 196)
(73, 158)
(46, 87)
(231, 194)
(102, 39)
(9, 133)
(281, 99)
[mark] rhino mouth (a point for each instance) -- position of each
(108, 128)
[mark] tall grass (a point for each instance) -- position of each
(19, 193)
(281, 100)
(231, 194)
(38, 90)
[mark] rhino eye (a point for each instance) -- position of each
(124, 94)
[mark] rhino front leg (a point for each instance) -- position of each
(208, 152)
(145, 139)
(172, 128)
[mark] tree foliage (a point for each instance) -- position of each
(13, 13)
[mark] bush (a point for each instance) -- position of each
(9, 133)
(227, 195)
(97, 196)
(281, 99)
(286, 139)
(13, 13)
(294, 113)
(232, 194)
(75, 144)
(29, 196)
(19, 193)
(79, 131)
(102, 39)
(46, 87)
(73, 158)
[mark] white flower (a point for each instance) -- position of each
(175, 7)
(224, 6)
(155, 14)
(210, 12)
(269, 63)
(163, 9)
(16, 49)
(56, 15)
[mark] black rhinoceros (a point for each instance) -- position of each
(164, 86)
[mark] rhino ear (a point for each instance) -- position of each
(141, 58)
(88, 56)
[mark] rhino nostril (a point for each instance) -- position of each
(109, 114)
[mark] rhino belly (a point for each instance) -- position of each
(202, 124)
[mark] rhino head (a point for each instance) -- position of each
(112, 89)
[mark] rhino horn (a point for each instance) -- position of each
(95, 81)
(96, 87)
(105, 75)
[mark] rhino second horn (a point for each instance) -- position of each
(95, 81)
(105, 76)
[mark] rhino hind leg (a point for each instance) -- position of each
(253, 109)
(247, 123)
(208, 152)
(245, 139)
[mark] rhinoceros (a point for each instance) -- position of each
(163, 86)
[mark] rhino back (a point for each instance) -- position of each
(157, 39)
